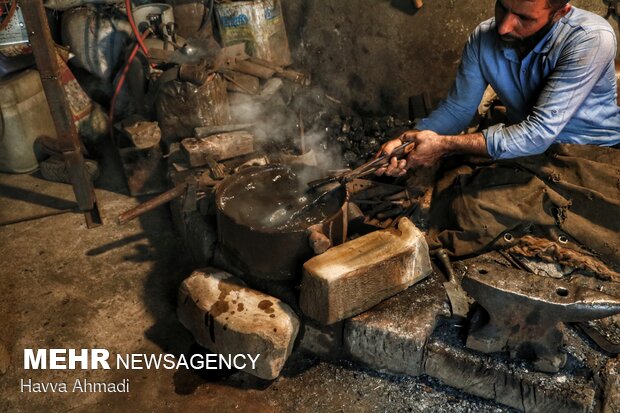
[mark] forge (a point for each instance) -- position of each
(310, 206)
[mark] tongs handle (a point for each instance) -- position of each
(365, 169)
(377, 163)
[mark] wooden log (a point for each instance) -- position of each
(204, 131)
(217, 147)
(230, 319)
(353, 277)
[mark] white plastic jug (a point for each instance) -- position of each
(24, 115)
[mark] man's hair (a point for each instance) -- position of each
(556, 4)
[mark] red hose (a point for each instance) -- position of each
(134, 28)
(121, 80)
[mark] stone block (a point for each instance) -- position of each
(227, 317)
(391, 336)
(357, 275)
(611, 382)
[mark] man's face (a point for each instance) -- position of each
(520, 22)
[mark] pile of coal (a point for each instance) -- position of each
(360, 138)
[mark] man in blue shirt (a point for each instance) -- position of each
(551, 64)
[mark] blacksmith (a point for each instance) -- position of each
(551, 65)
(548, 182)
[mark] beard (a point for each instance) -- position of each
(526, 43)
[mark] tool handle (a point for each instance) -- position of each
(379, 162)
(444, 258)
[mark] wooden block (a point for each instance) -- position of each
(228, 318)
(218, 147)
(353, 277)
(144, 134)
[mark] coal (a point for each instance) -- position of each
(358, 139)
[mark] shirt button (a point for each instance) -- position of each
(554, 112)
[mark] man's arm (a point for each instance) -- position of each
(455, 113)
(452, 116)
(580, 66)
(582, 63)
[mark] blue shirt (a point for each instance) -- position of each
(564, 90)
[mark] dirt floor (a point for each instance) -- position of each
(114, 287)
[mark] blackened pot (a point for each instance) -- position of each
(271, 253)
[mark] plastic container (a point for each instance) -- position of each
(24, 115)
(259, 24)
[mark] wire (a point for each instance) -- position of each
(121, 80)
(134, 28)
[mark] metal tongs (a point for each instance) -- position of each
(365, 169)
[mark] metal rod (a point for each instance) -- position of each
(151, 204)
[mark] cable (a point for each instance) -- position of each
(121, 80)
(134, 28)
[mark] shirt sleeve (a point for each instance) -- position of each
(581, 64)
(456, 112)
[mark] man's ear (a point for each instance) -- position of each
(561, 12)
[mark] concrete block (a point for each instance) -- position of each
(357, 275)
(391, 336)
(228, 318)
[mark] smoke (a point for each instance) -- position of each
(291, 120)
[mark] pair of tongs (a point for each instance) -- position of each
(365, 169)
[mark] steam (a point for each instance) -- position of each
(276, 118)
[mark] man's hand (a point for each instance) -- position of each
(396, 167)
(429, 147)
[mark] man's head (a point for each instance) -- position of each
(522, 23)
